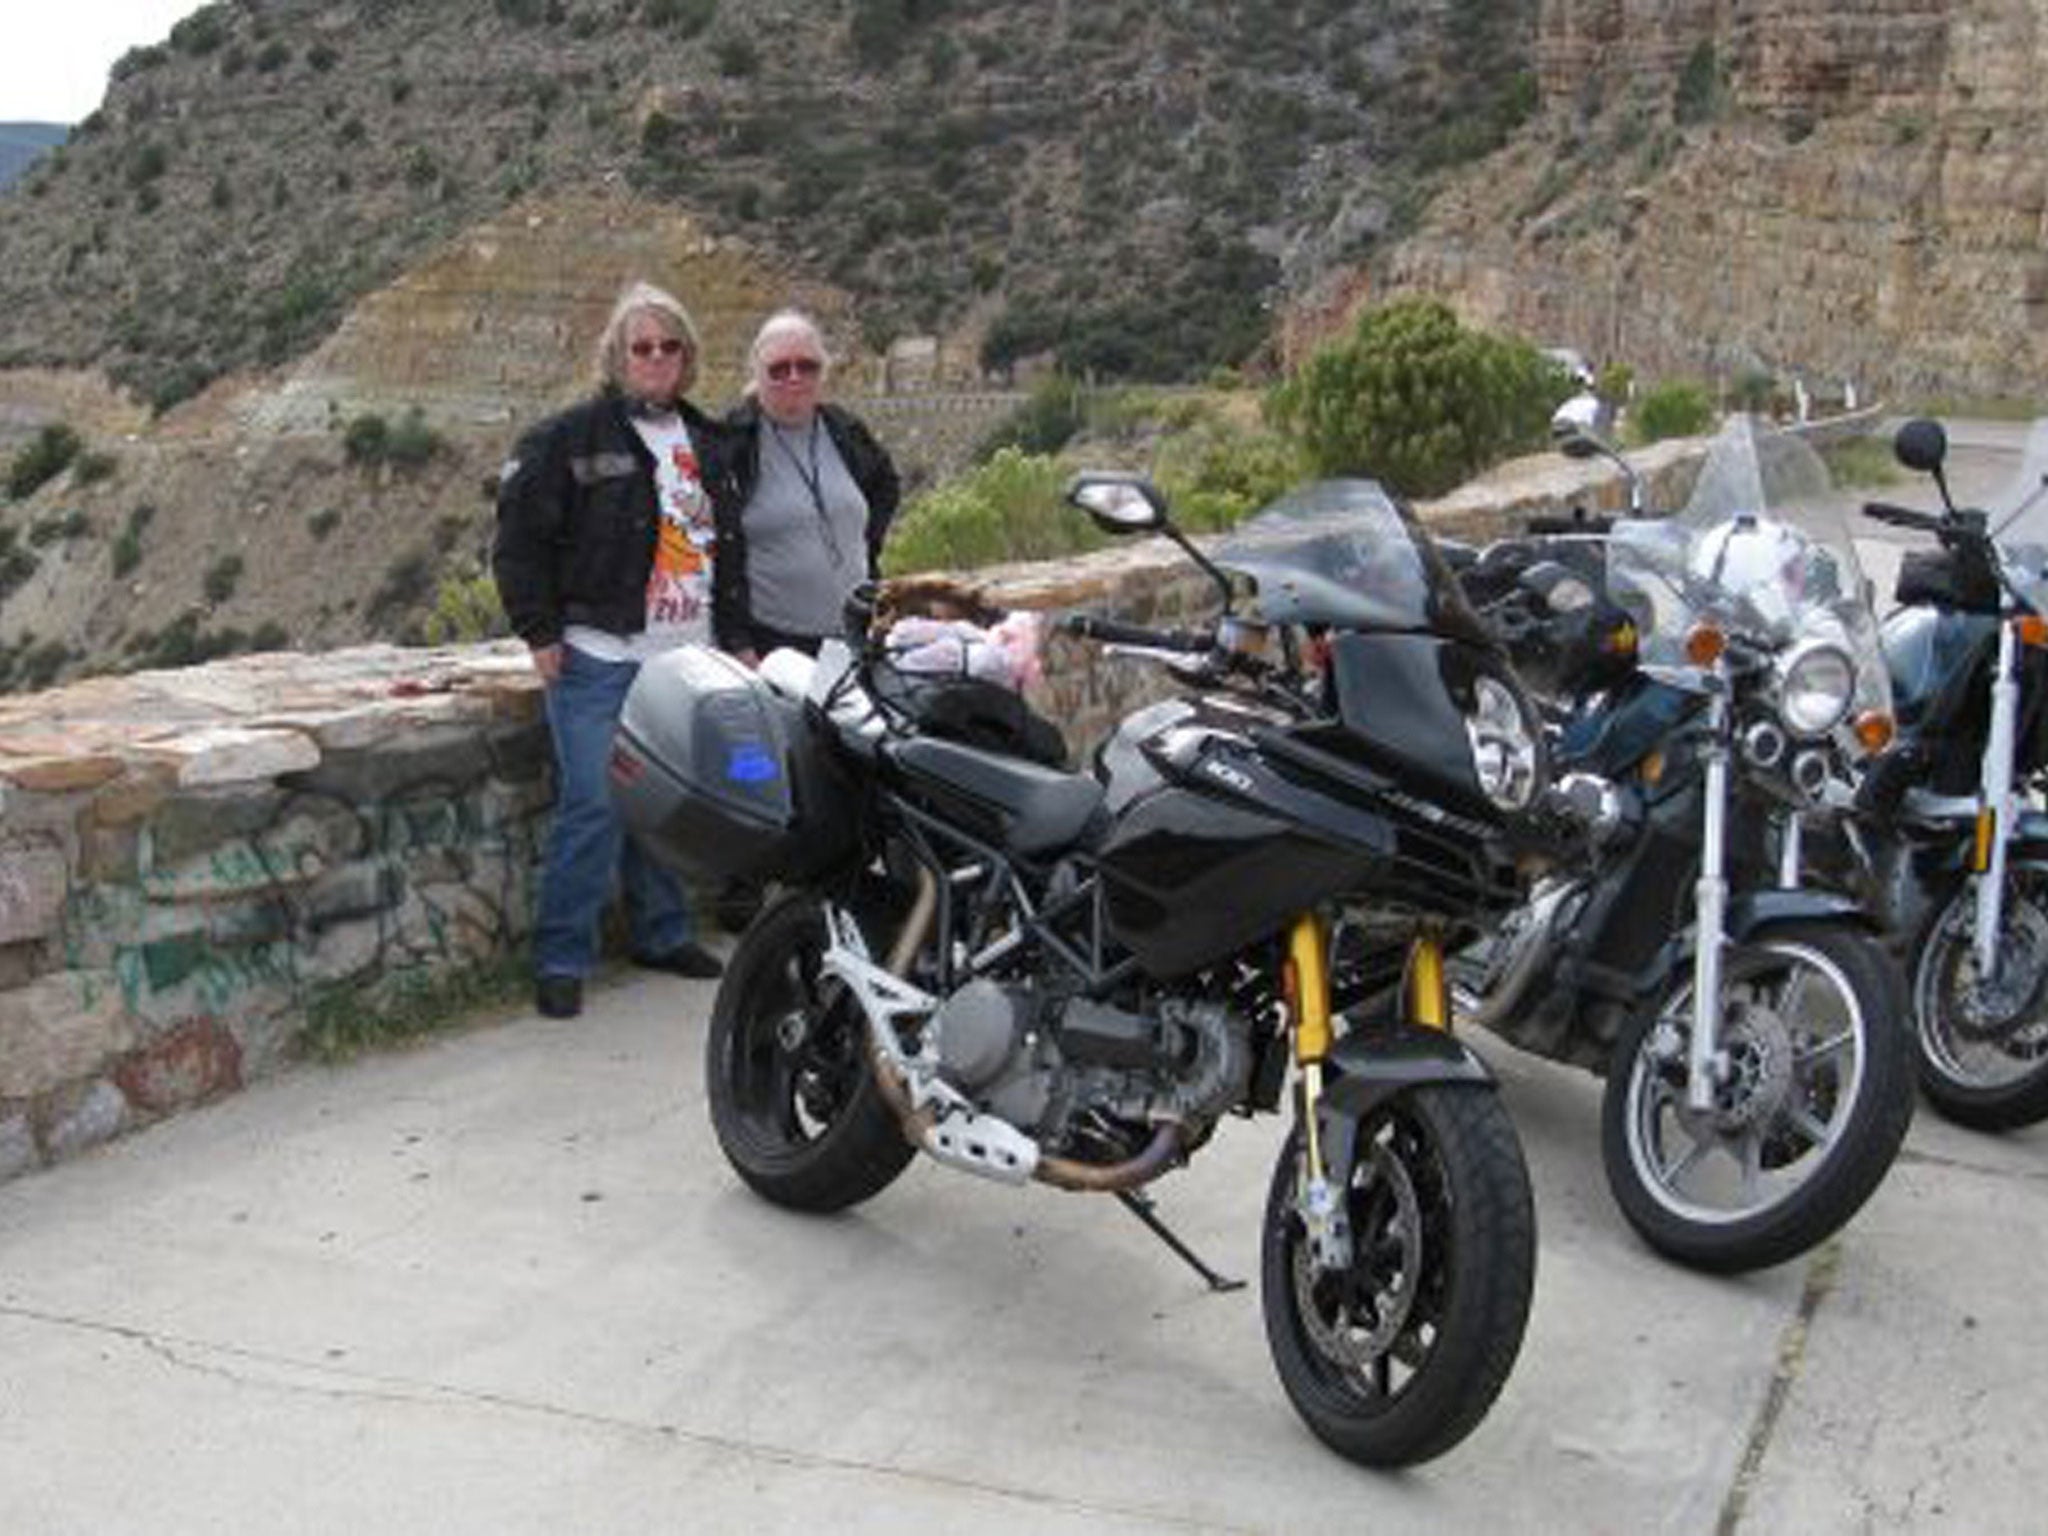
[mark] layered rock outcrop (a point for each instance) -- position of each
(1841, 192)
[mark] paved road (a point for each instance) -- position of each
(503, 1283)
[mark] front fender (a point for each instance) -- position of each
(1749, 911)
(1369, 1066)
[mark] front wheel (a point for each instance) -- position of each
(1812, 1108)
(1395, 1357)
(793, 1096)
(1984, 1040)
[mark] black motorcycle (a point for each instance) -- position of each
(1719, 669)
(1953, 849)
(1075, 977)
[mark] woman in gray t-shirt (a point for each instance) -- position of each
(820, 492)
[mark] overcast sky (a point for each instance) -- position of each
(54, 54)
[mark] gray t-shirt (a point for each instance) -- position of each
(806, 531)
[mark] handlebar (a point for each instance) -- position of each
(1903, 517)
(1088, 626)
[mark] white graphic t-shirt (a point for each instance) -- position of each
(679, 585)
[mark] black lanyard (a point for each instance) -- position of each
(814, 482)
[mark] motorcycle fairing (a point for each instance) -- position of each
(1398, 697)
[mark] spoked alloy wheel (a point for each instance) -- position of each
(793, 1096)
(1816, 1101)
(1984, 1040)
(1397, 1357)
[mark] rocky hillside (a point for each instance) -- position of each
(1848, 192)
(1128, 181)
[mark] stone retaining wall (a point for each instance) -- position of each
(190, 860)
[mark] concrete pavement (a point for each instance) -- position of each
(504, 1283)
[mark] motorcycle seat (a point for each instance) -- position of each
(1037, 809)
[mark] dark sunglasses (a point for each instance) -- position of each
(668, 346)
(795, 367)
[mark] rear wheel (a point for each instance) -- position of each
(793, 1096)
(1984, 1040)
(1817, 1098)
(1396, 1356)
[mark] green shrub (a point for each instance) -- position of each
(1217, 473)
(412, 442)
(59, 525)
(466, 609)
(127, 553)
(91, 468)
(1046, 422)
(221, 578)
(406, 583)
(47, 456)
(1754, 390)
(1675, 408)
(1010, 508)
(370, 440)
(1698, 95)
(323, 522)
(366, 438)
(1861, 461)
(1415, 400)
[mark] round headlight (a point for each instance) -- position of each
(1505, 749)
(1815, 688)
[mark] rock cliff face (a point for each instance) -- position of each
(1847, 192)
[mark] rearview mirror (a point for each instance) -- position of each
(1921, 444)
(1574, 427)
(1119, 503)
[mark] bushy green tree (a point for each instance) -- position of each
(1675, 408)
(1416, 400)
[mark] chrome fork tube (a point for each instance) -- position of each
(1998, 801)
(1704, 1064)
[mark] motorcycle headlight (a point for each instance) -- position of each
(1505, 748)
(1816, 686)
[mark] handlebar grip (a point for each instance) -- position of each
(1901, 517)
(1088, 626)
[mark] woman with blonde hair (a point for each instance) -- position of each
(608, 518)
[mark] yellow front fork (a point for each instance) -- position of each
(1308, 1000)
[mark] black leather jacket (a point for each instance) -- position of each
(578, 520)
(866, 460)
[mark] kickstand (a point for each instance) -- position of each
(1140, 1206)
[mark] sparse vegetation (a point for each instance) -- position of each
(343, 1020)
(370, 440)
(47, 456)
(221, 579)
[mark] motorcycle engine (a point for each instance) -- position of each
(1038, 1061)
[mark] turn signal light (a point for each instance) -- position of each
(1652, 767)
(2032, 630)
(1874, 729)
(1704, 644)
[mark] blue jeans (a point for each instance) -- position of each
(587, 842)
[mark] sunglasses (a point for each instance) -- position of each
(668, 346)
(789, 368)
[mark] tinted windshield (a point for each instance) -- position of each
(1342, 553)
(1761, 548)
(2019, 521)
